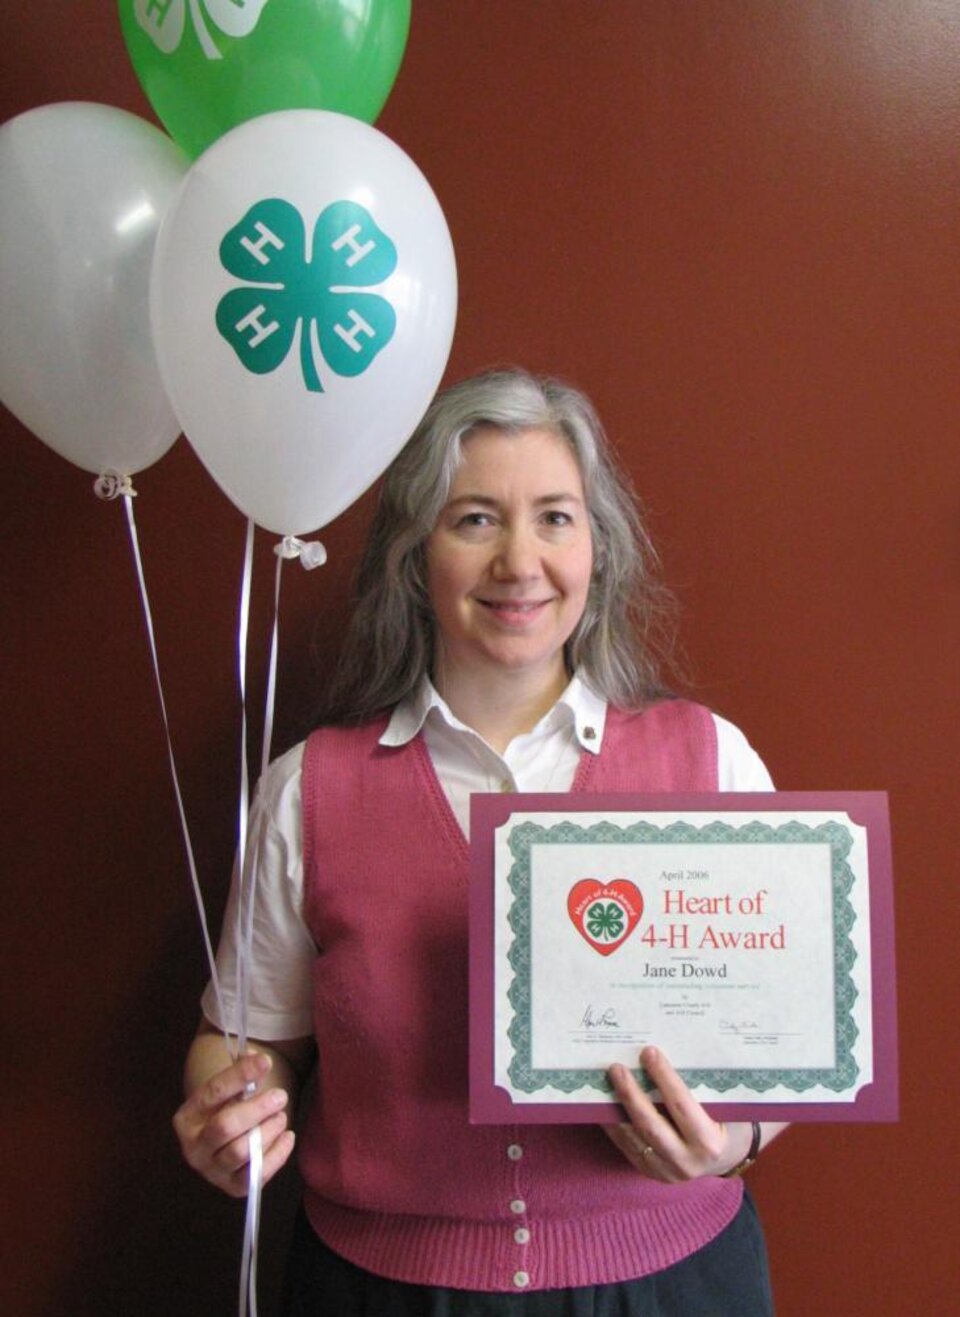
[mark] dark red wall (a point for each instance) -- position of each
(737, 224)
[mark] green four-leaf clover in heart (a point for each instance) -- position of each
(605, 921)
(283, 288)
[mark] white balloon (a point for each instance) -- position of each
(83, 189)
(303, 301)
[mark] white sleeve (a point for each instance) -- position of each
(739, 767)
(283, 952)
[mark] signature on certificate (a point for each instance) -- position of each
(604, 1017)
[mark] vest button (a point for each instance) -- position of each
(521, 1280)
(514, 1152)
(521, 1235)
(518, 1207)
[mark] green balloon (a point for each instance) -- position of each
(208, 65)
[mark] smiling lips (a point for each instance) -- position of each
(515, 612)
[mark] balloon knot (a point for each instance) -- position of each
(111, 484)
(310, 552)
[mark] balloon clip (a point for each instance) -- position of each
(111, 484)
(310, 552)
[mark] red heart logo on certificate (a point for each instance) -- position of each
(605, 914)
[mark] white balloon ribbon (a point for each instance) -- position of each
(245, 904)
(111, 485)
(243, 919)
(310, 552)
(251, 1231)
(310, 555)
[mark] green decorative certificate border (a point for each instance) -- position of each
(845, 1071)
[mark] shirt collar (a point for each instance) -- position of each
(411, 713)
(578, 702)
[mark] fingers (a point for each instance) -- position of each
(649, 1142)
(215, 1122)
(637, 1151)
(680, 1141)
(694, 1126)
(244, 1076)
(275, 1157)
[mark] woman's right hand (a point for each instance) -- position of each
(214, 1124)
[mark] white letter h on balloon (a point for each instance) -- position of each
(357, 251)
(252, 321)
(357, 326)
(267, 238)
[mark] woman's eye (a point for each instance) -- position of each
(474, 520)
(557, 518)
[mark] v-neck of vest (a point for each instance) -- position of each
(442, 804)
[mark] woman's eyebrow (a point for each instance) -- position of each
(483, 499)
(487, 501)
(557, 498)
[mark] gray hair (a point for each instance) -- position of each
(626, 628)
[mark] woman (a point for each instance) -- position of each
(504, 639)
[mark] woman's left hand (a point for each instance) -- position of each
(679, 1143)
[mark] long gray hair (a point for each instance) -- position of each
(627, 625)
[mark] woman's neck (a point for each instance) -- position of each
(500, 704)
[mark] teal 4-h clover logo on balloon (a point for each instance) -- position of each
(164, 21)
(321, 293)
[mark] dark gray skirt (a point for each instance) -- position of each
(728, 1277)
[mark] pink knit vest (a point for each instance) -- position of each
(397, 1180)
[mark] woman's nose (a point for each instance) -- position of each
(517, 558)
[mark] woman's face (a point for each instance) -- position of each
(510, 558)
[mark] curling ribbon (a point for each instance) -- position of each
(245, 899)
(310, 552)
(110, 485)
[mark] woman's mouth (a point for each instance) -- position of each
(515, 612)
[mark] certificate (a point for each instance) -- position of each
(748, 935)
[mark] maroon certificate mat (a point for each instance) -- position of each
(750, 936)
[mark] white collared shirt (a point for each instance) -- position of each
(543, 759)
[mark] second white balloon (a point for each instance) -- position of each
(303, 303)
